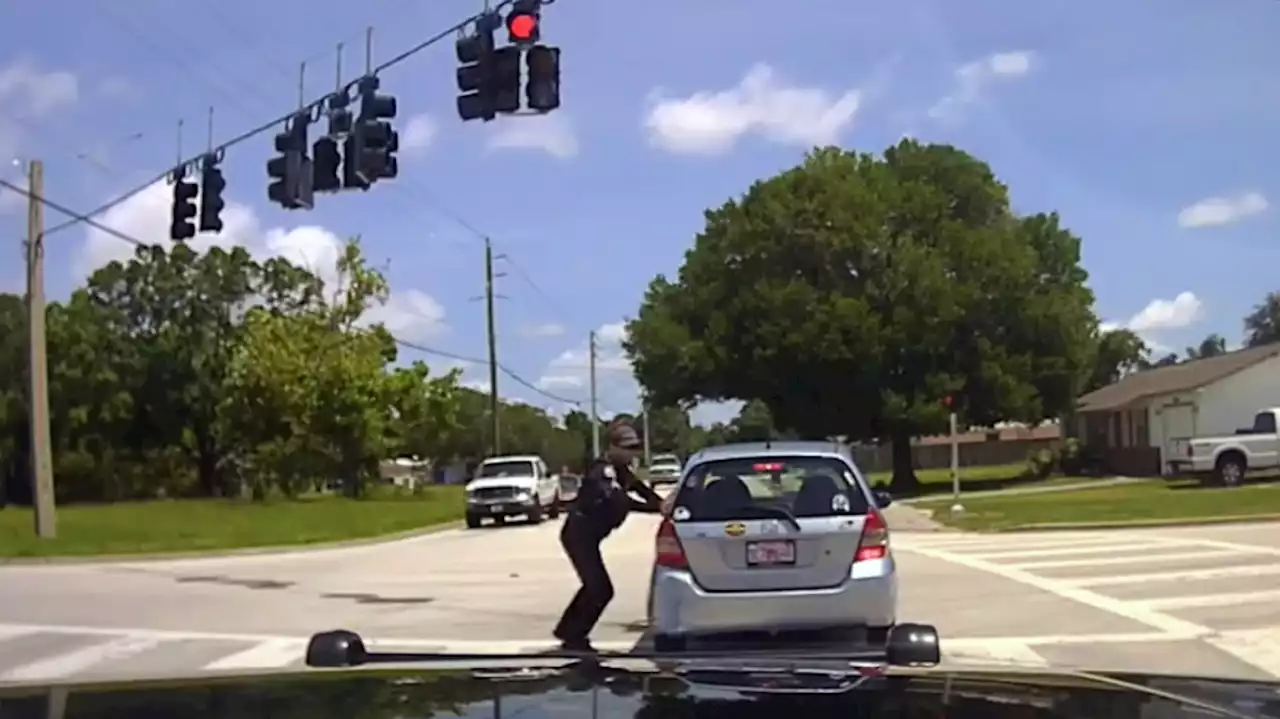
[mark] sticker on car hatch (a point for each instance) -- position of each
(735, 529)
(840, 503)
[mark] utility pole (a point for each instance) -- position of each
(493, 346)
(38, 361)
(595, 415)
(644, 412)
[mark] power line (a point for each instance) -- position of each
(63, 209)
(77, 218)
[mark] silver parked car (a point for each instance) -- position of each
(772, 536)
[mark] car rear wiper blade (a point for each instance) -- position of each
(779, 512)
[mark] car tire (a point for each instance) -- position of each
(473, 521)
(553, 512)
(535, 513)
(670, 643)
(1230, 469)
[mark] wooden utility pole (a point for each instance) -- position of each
(493, 346)
(595, 415)
(38, 364)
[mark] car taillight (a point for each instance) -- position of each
(669, 552)
(1189, 450)
(874, 542)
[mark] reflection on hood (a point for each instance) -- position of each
(548, 694)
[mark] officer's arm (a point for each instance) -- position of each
(652, 500)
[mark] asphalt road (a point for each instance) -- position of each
(1187, 600)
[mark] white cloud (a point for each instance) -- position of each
(712, 122)
(411, 315)
(419, 132)
(1214, 211)
(616, 386)
(551, 133)
(549, 329)
(10, 201)
(1159, 316)
(27, 95)
(972, 79)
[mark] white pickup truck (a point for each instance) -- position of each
(1225, 459)
(512, 486)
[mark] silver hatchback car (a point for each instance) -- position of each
(777, 536)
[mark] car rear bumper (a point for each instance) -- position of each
(868, 598)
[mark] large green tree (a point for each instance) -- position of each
(852, 293)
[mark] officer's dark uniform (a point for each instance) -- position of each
(602, 505)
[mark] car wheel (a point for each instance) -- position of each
(473, 521)
(535, 512)
(554, 510)
(667, 643)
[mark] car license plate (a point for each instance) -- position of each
(495, 509)
(764, 554)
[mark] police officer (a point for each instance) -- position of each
(601, 506)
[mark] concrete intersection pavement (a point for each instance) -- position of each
(1190, 600)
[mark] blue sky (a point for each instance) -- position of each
(1149, 124)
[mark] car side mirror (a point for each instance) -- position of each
(883, 498)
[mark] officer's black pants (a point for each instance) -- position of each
(582, 545)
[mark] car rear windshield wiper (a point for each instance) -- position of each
(779, 512)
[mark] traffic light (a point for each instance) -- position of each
(475, 64)
(212, 184)
(351, 179)
(543, 89)
(376, 142)
(184, 207)
(524, 22)
(291, 169)
(326, 162)
(325, 158)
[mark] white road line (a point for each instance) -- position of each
(995, 652)
(12, 632)
(1171, 625)
(1032, 541)
(1140, 559)
(1259, 647)
(271, 654)
(1086, 549)
(1235, 546)
(77, 661)
(1189, 575)
(1211, 600)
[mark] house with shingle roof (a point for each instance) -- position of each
(1135, 421)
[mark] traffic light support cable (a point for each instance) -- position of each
(312, 106)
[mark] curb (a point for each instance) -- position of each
(73, 559)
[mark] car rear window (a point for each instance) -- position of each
(767, 487)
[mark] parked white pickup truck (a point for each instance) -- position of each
(1225, 460)
(512, 486)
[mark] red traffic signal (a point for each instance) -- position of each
(522, 27)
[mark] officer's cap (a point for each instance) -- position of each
(621, 434)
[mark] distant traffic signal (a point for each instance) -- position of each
(524, 22)
(376, 142)
(326, 162)
(212, 185)
(542, 92)
(291, 170)
(475, 67)
(184, 209)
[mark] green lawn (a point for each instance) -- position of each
(206, 525)
(1151, 502)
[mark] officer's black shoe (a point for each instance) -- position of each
(577, 646)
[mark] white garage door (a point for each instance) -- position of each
(1178, 422)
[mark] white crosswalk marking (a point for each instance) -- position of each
(271, 654)
(74, 662)
(1215, 593)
